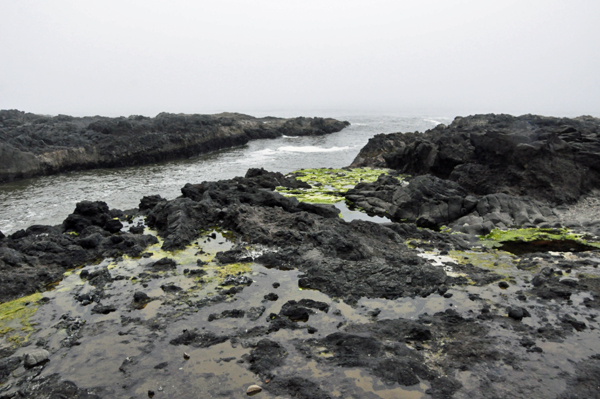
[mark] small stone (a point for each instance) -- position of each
(517, 313)
(186, 356)
(35, 357)
(150, 394)
(140, 296)
(271, 297)
(503, 284)
(253, 390)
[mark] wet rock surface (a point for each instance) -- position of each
(35, 258)
(485, 171)
(34, 145)
(241, 286)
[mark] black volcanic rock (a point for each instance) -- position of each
(34, 145)
(483, 172)
(88, 213)
(551, 159)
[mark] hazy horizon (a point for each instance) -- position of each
(435, 58)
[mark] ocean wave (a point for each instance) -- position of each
(256, 156)
(310, 148)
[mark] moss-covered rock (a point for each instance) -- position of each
(521, 241)
(15, 326)
(329, 185)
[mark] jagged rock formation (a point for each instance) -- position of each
(552, 159)
(35, 258)
(34, 145)
(483, 171)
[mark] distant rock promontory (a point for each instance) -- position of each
(36, 145)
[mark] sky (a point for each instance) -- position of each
(427, 57)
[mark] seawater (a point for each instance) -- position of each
(48, 200)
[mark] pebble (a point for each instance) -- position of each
(253, 390)
(186, 356)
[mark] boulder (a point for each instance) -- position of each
(36, 357)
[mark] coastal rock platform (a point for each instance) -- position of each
(233, 285)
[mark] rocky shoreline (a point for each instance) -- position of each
(37, 145)
(235, 289)
(484, 172)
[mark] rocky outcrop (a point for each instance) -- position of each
(34, 145)
(432, 202)
(483, 172)
(33, 259)
(550, 159)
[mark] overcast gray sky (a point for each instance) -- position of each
(437, 57)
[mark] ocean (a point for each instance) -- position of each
(48, 200)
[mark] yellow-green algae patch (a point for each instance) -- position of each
(14, 318)
(233, 269)
(496, 237)
(329, 185)
(495, 260)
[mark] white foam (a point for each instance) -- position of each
(290, 137)
(310, 148)
(256, 156)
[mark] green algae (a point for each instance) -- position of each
(496, 238)
(15, 326)
(531, 234)
(233, 269)
(329, 185)
(494, 260)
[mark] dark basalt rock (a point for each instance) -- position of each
(34, 145)
(163, 264)
(550, 159)
(271, 297)
(149, 202)
(578, 325)
(171, 288)
(432, 202)
(32, 259)
(297, 387)
(198, 340)
(140, 297)
(88, 213)
(266, 356)
(517, 313)
(483, 172)
(104, 309)
(136, 229)
(235, 314)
